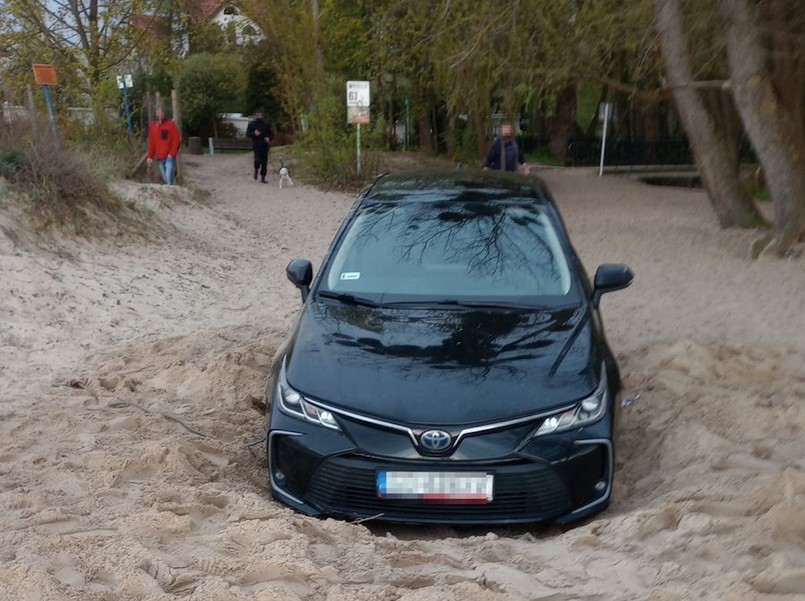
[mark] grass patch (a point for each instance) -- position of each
(373, 164)
(201, 197)
(543, 156)
(11, 160)
(59, 187)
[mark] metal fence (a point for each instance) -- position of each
(587, 151)
(583, 151)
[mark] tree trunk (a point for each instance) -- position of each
(480, 134)
(648, 116)
(718, 166)
(391, 122)
(561, 124)
(787, 21)
(419, 116)
(435, 129)
(423, 129)
(623, 115)
(314, 5)
(776, 134)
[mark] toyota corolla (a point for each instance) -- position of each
(449, 363)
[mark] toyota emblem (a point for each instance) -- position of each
(436, 440)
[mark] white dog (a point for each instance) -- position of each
(285, 176)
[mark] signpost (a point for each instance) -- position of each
(124, 82)
(358, 100)
(604, 110)
(45, 76)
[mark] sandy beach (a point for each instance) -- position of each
(129, 368)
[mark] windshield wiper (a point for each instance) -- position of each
(451, 302)
(348, 299)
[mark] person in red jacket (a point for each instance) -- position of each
(163, 144)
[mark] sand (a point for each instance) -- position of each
(129, 368)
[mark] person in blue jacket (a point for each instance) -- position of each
(506, 146)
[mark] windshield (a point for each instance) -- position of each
(437, 251)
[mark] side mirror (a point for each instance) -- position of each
(611, 277)
(300, 272)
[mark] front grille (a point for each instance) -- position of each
(523, 491)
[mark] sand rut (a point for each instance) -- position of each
(196, 513)
(139, 486)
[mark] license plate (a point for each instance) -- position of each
(436, 487)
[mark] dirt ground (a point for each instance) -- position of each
(128, 369)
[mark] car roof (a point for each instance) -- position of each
(457, 185)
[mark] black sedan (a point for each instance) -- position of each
(449, 363)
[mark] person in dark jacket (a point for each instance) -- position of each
(505, 153)
(260, 133)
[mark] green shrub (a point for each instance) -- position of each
(465, 147)
(10, 161)
(259, 96)
(105, 140)
(60, 186)
(329, 144)
(209, 84)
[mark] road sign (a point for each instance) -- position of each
(358, 114)
(45, 75)
(358, 93)
(358, 100)
(125, 81)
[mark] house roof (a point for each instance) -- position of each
(158, 25)
(207, 8)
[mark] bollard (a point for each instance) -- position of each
(194, 145)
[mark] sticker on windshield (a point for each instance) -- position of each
(351, 275)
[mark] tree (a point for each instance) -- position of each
(535, 53)
(288, 25)
(258, 95)
(209, 84)
(455, 62)
(87, 39)
(714, 154)
(474, 62)
(767, 71)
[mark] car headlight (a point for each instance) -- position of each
(587, 411)
(293, 403)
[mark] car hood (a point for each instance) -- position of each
(442, 367)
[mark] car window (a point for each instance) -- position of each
(447, 250)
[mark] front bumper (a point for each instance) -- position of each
(559, 478)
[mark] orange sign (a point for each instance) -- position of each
(45, 75)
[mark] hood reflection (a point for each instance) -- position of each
(440, 366)
(446, 339)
